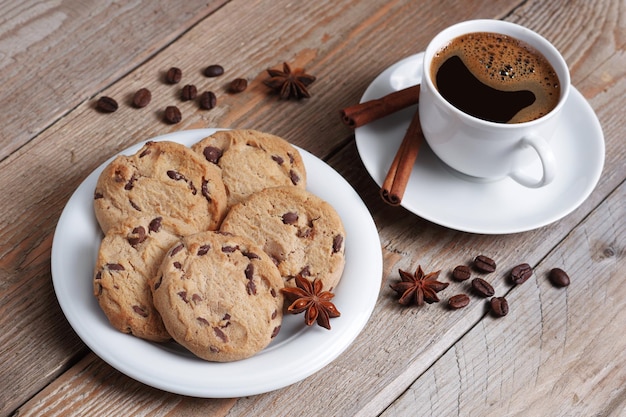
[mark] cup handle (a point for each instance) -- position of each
(548, 163)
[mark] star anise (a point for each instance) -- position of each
(309, 297)
(418, 288)
(290, 83)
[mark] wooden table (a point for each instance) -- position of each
(558, 351)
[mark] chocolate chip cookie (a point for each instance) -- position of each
(128, 259)
(219, 296)
(302, 233)
(162, 179)
(251, 161)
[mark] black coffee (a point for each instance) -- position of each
(496, 78)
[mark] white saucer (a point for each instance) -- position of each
(297, 352)
(437, 194)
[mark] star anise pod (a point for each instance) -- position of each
(290, 83)
(418, 288)
(310, 298)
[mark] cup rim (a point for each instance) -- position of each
(533, 38)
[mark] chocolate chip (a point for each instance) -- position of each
(275, 332)
(205, 190)
(204, 249)
(134, 205)
(290, 218)
(220, 334)
(115, 267)
(212, 154)
(155, 224)
(295, 178)
(140, 310)
(337, 241)
(278, 159)
(249, 271)
(140, 237)
(183, 296)
(176, 249)
(251, 288)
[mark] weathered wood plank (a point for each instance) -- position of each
(54, 55)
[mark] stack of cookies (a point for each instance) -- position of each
(199, 241)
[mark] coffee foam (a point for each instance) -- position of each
(506, 64)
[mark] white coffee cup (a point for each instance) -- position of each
(483, 149)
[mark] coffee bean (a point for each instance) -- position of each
(484, 264)
(458, 301)
(142, 98)
(189, 92)
(461, 273)
(172, 115)
(106, 104)
(499, 306)
(173, 75)
(521, 273)
(559, 278)
(214, 71)
(482, 287)
(238, 85)
(207, 100)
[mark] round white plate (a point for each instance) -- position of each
(436, 193)
(297, 352)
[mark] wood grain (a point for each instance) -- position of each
(47, 370)
(57, 54)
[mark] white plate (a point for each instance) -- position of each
(297, 352)
(437, 194)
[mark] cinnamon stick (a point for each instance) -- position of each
(399, 173)
(368, 111)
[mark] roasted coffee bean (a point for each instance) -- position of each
(214, 71)
(521, 273)
(484, 264)
(559, 278)
(499, 306)
(458, 301)
(172, 115)
(189, 92)
(461, 273)
(173, 75)
(142, 98)
(207, 100)
(106, 104)
(238, 85)
(482, 287)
